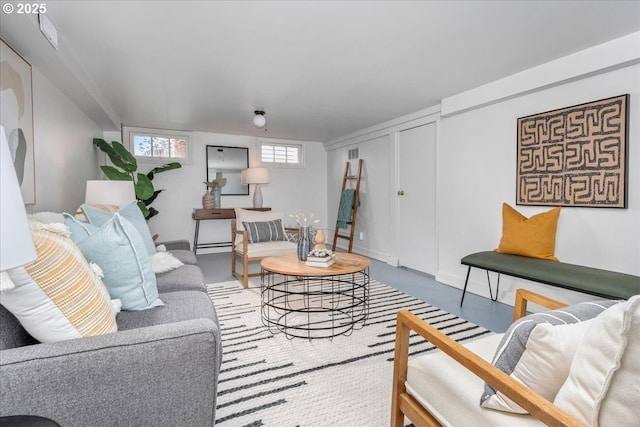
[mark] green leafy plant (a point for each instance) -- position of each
(125, 168)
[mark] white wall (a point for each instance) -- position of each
(477, 167)
(377, 214)
(375, 186)
(289, 189)
(64, 154)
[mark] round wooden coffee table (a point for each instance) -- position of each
(315, 302)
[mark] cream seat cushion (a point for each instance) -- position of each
(451, 392)
(264, 249)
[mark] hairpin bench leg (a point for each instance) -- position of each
(466, 281)
(497, 287)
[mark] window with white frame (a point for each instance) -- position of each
(279, 154)
(159, 146)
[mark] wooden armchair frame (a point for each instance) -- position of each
(235, 233)
(403, 404)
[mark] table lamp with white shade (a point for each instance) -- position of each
(107, 192)
(256, 176)
(16, 243)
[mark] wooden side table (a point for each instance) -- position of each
(223, 213)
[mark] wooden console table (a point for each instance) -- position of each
(224, 213)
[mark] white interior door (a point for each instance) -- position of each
(416, 198)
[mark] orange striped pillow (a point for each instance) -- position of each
(57, 297)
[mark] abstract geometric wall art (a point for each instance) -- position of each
(574, 156)
(16, 115)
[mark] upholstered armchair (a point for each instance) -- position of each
(571, 366)
(256, 235)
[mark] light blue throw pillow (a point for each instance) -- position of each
(131, 212)
(116, 246)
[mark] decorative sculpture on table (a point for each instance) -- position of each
(319, 240)
(216, 185)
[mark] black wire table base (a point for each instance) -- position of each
(315, 306)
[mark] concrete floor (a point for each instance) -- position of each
(482, 311)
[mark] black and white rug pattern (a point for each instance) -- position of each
(270, 380)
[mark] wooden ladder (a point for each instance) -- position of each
(351, 224)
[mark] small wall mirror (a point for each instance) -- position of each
(228, 162)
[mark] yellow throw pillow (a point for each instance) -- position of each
(533, 237)
(57, 296)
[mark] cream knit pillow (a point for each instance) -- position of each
(603, 387)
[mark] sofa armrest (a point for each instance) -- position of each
(402, 403)
(173, 245)
(159, 375)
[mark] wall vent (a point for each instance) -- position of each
(353, 153)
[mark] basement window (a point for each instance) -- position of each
(158, 146)
(277, 154)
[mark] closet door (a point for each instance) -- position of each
(416, 198)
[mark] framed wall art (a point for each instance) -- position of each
(574, 156)
(16, 104)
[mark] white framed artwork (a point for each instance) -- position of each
(16, 104)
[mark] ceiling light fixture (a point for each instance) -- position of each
(259, 120)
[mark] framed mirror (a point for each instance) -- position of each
(228, 162)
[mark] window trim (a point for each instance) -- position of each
(281, 143)
(129, 132)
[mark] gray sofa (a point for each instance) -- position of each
(160, 368)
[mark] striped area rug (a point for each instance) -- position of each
(269, 380)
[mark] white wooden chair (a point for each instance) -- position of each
(242, 248)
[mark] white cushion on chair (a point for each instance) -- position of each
(263, 249)
(451, 392)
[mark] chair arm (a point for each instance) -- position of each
(523, 296)
(537, 406)
(235, 232)
(295, 229)
(104, 379)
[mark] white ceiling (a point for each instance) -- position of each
(319, 69)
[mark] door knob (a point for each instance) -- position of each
(400, 192)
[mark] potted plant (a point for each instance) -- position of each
(125, 168)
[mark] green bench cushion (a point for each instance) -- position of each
(594, 281)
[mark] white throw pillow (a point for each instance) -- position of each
(515, 343)
(545, 363)
(603, 387)
(47, 217)
(161, 262)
